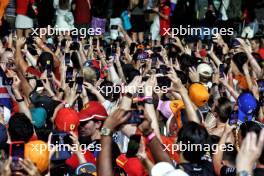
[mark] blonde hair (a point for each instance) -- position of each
(89, 74)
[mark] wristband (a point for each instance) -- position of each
(151, 136)
(20, 100)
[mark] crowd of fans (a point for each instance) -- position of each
(131, 99)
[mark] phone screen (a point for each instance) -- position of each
(221, 70)
(79, 81)
(136, 117)
(48, 68)
(67, 58)
(16, 151)
(261, 85)
(8, 81)
(233, 118)
(69, 74)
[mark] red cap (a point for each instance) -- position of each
(73, 161)
(132, 166)
(203, 53)
(93, 110)
(67, 120)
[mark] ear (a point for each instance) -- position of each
(98, 125)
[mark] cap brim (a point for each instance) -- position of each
(242, 117)
(97, 117)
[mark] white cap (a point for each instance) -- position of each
(166, 169)
(205, 70)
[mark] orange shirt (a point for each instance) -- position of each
(3, 5)
(242, 82)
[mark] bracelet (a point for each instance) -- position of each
(151, 136)
(20, 100)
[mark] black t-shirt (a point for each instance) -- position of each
(228, 171)
(205, 168)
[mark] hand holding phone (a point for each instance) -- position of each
(136, 117)
(16, 151)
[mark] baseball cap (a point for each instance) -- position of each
(3, 136)
(73, 161)
(198, 94)
(67, 120)
(205, 70)
(92, 110)
(39, 116)
(247, 104)
(168, 108)
(86, 168)
(166, 169)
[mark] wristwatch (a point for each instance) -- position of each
(148, 100)
(105, 132)
(243, 173)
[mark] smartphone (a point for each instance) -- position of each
(235, 43)
(63, 141)
(261, 85)
(233, 118)
(48, 68)
(8, 81)
(86, 47)
(67, 58)
(79, 81)
(71, 84)
(164, 81)
(114, 27)
(142, 56)
(69, 74)
(221, 70)
(16, 151)
(39, 83)
(157, 49)
(136, 117)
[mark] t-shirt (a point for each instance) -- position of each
(82, 13)
(227, 171)
(164, 24)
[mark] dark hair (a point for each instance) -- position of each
(240, 59)
(193, 133)
(186, 61)
(20, 128)
(230, 155)
(64, 4)
(224, 109)
(133, 146)
(249, 126)
(42, 60)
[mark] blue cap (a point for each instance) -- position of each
(3, 136)
(247, 104)
(39, 116)
(85, 169)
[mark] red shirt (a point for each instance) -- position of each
(82, 13)
(261, 53)
(165, 24)
(22, 6)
